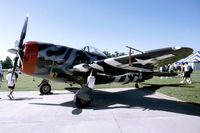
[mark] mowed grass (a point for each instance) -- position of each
(168, 86)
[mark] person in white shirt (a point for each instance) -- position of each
(187, 73)
(11, 82)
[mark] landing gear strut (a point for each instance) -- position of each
(45, 87)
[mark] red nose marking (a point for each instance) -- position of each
(30, 57)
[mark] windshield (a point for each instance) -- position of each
(93, 50)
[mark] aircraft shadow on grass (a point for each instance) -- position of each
(136, 99)
(155, 87)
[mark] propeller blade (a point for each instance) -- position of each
(23, 33)
(15, 65)
(20, 60)
(16, 44)
(13, 51)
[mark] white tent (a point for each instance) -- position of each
(193, 60)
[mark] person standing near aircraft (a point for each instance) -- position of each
(10, 82)
(187, 73)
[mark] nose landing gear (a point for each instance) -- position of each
(45, 87)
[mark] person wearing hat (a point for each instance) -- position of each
(11, 82)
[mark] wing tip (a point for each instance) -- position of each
(190, 50)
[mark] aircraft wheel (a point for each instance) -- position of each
(80, 103)
(45, 89)
(136, 85)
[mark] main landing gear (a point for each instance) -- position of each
(84, 96)
(45, 87)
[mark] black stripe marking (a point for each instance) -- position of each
(58, 52)
(122, 78)
(68, 54)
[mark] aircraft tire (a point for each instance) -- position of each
(45, 88)
(136, 85)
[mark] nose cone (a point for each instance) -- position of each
(30, 58)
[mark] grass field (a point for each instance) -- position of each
(168, 86)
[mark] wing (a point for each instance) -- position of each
(144, 62)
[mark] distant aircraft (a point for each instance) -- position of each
(89, 66)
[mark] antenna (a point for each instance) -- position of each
(130, 51)
(135, 49)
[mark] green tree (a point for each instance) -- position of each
(107, 54)
(7, 63)
(115, 54)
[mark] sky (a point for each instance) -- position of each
(109, 25)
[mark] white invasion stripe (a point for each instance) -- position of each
(135, 78)
(144, 62)
(117, 78)
(126, 79)
(140, 75)
(112, 62)
(96, 66)
(80, 68)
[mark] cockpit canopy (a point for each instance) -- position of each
(93, 50)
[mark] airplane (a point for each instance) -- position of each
(89, 66)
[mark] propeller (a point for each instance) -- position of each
(19, 47)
